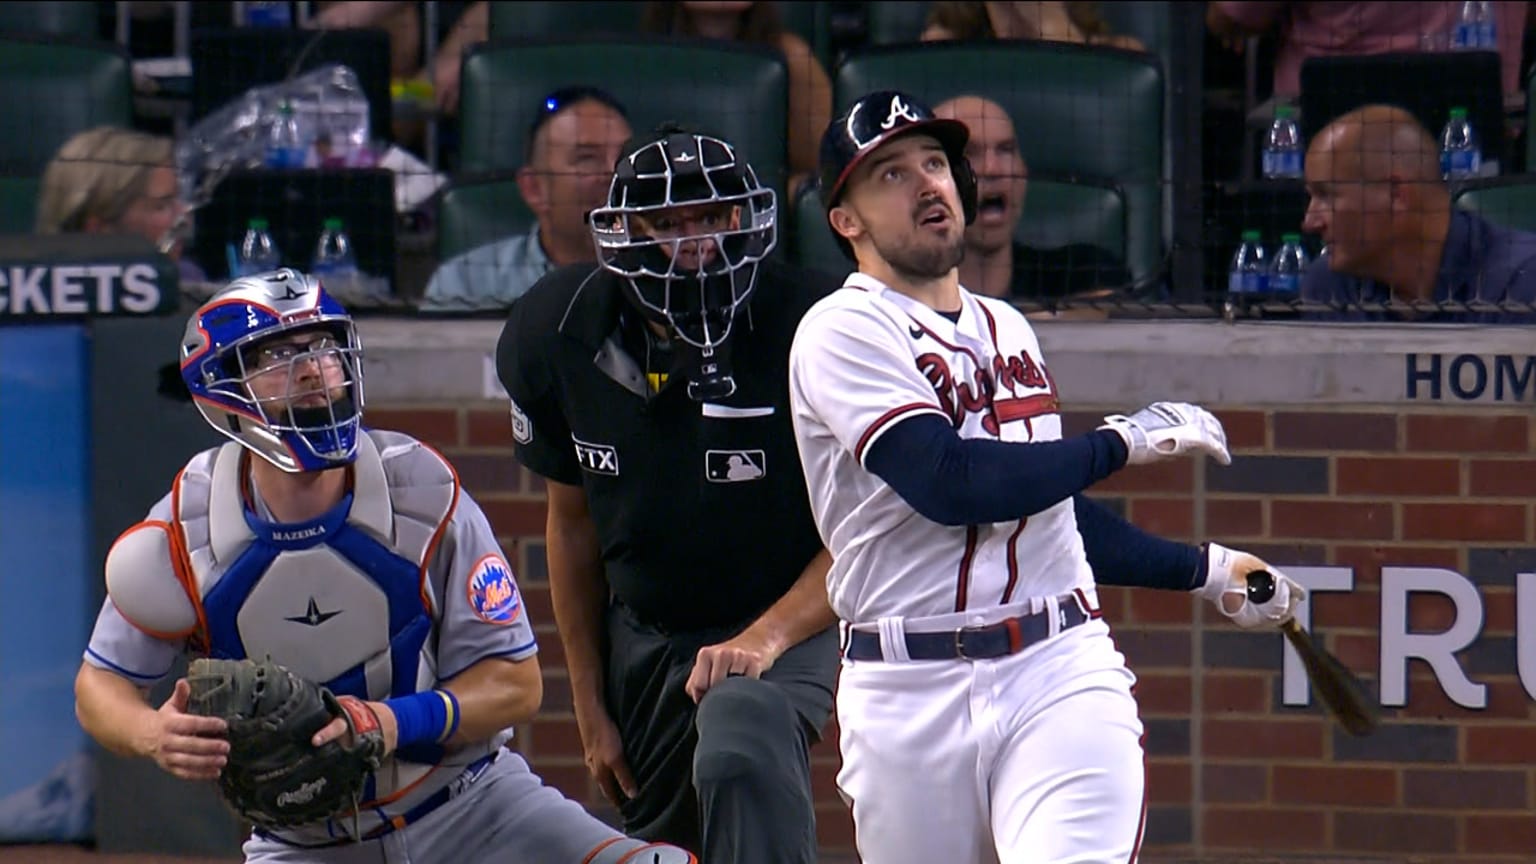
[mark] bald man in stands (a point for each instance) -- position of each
(1385, 216)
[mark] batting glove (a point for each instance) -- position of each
(1226, 585)
(1163, 430)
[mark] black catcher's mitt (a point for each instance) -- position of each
(275, 777)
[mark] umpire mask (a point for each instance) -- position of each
(685, 227)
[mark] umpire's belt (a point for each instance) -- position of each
(1009, 636)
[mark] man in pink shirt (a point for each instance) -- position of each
(1332, 29)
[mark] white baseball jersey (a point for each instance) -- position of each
(867, 357)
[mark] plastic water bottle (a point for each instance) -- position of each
(258, 251)
(1282, 147)
(334, 262)
(1475, 29)
(262, 14)
(285, 148)
(1286, 269)
(1460, 156)
(1248, 277)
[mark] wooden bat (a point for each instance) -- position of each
(1342, 692)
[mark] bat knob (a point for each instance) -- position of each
(1261, 587)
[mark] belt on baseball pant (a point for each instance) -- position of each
(426, 805)
(1006, 637)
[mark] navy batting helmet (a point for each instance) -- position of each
(880, 117)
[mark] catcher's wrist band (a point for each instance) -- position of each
(428, 717)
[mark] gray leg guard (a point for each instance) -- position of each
(632, 851)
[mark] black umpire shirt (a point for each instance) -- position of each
(701, 508)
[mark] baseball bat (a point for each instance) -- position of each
(1342, 692)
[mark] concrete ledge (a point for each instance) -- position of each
(1104, 362)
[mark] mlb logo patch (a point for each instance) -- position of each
(734, 466)
(492, 591)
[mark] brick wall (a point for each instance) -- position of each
(1230, 769)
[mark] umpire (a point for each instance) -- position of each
(688, 579)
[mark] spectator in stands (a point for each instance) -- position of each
(996, 263)
(460, 25)
(1391, 233)
(572, 146)
(1077, 22)
(111, 180)
(1335, 29)
(810, 89)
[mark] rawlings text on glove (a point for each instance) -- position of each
(275, 777)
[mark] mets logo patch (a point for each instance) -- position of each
(492, 593)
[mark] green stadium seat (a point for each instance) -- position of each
(18, 204)
(739, 92)
(895, 22)
(78, 20)
(1090, 115)
(811, 21)
(54, 89)
(1056, 213)
(1508, 201)
(524, 20)
(811, 244)
(475, 212)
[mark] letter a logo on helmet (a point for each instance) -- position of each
(899, 111)
(858, 132)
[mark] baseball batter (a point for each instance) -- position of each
(353, 558)
(985, 713)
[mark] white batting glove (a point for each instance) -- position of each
(1163, 430)
(1226, 585)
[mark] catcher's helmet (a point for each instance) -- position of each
(696, 302)
(880, 117)
(220, 355)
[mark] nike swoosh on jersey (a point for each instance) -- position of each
(730, 412)
(917, 332)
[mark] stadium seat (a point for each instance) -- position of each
(18, 204)
(895, 22)
(811, 21)
(474, 212)
(78, 20)
(55, 88)
(523, 20)
(1056, 213)
(739, 92)
(811, 243)
(1089, 115)
(1507, 201)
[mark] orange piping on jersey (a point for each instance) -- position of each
(592, 856)
(396, 795)
(181, 563)
(630, 856)
(883, 420)
(170, 534)
(437, 535)
(1013, 561)
(964, 583)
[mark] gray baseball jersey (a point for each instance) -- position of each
(400, 587)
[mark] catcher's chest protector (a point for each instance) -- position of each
(341, 600)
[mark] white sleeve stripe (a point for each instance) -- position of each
(886, 420)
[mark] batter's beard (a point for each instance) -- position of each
(924, 263)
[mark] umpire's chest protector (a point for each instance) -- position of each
(345, 599)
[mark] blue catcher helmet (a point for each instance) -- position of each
(294, 402)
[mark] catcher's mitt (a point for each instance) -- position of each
(275, 777)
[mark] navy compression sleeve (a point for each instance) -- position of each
(1122, 554)
(974, 481)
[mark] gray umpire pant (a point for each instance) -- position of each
(728, 778)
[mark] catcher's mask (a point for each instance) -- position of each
(685, 227)
(305, 412)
